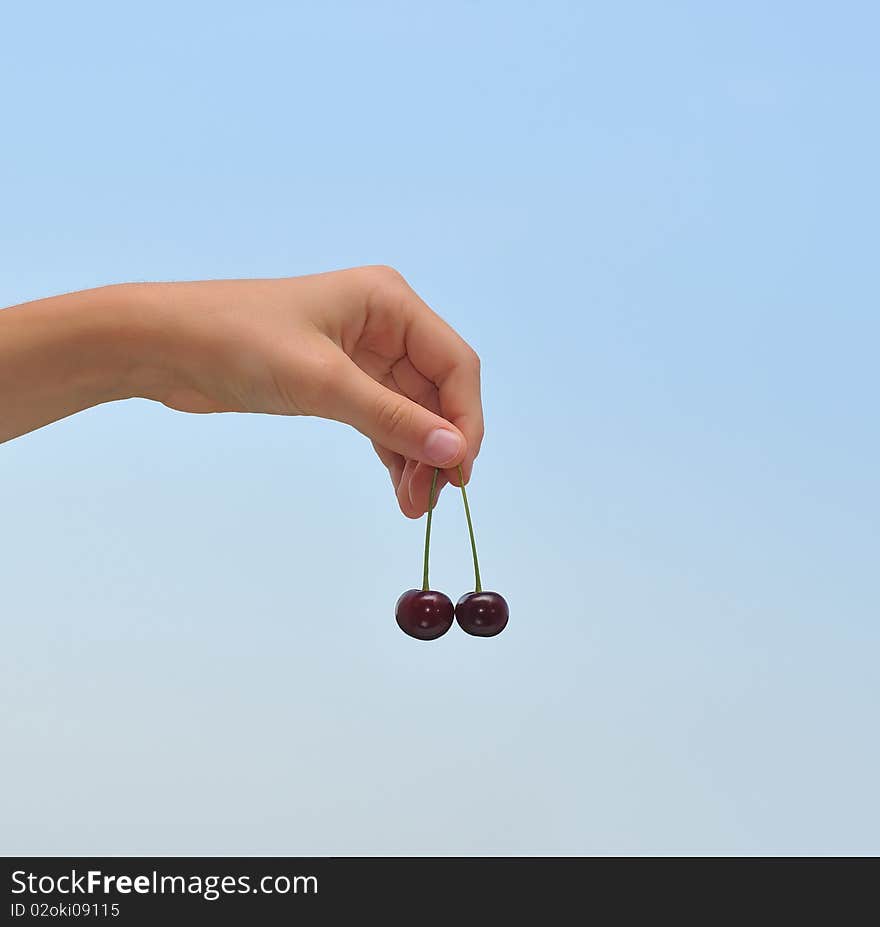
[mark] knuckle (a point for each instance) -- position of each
(391, 274)
(392, 416)
(382, 275)
(468, 360)
(382, 287)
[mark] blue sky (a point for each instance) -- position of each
(658, 226)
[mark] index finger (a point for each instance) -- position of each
(442, 356)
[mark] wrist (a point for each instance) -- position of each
(128, 334)
(164, 341)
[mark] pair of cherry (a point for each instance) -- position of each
(427, 614)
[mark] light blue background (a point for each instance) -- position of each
(658, 224)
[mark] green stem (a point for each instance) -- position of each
(425, 585)
(467, 512)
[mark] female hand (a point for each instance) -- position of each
(358, 346)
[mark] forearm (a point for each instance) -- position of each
(65, 354)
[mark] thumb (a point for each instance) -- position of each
(394, 421)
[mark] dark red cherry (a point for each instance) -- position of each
(483, 614)
(424, 614)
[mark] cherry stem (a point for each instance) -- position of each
(425, 586)
(467, 512)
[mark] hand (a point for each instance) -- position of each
(358, 346)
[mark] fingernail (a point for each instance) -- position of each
(442, 446)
